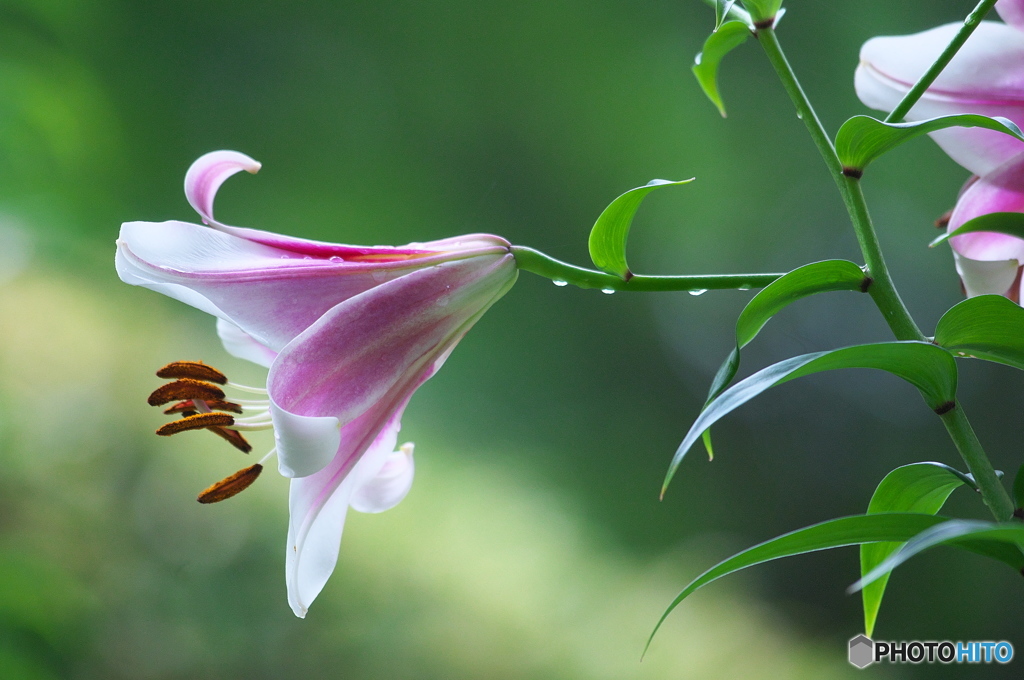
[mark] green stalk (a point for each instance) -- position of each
(882, 289)
(992, 490)
(911, 97)
(544, 265)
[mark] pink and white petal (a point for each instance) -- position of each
(1012, 12)
(390, 485)
(985, 278)
(240, 344)
(364, 348)
(305, 444)
(1000, 191)
(318, 504)
(984, 78)
(208, 172)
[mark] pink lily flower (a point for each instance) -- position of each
(348, 333)
(985, 77)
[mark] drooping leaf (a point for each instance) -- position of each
(1011, 223)
(929, 368)
(608, 237)
(834, 533)
(818, 277)
(725, 39)
(918, 487)
(862, 139)
(1001, 541)
(988, 327)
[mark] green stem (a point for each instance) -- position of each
(915, 93)
(544, 265)
(992, 490)
(882, 289)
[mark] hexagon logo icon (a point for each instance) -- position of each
(862, 651)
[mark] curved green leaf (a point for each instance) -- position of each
(724, 40)
(834, 533)
(1002, 541)
(608, 237)
(1011, 223)
(818, 277)
(722, 8)
(929, 368)
(862, 139)
(988, 327)
(763, 10)
(918, 487)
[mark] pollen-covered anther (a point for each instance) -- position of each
(197, 422)
(186, 388)
(233, 437)
(196, 370)
(231, 485)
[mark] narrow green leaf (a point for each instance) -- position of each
(608, 237)
(981, 537)
(818, 277)
(724, 40)
(988, 327)
(1018, 488)
(862, 139)
(929, 368)
(722, 8)
(1011, 223)
(918, 487)
(834, 533)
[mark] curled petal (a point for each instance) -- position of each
(986, 278)
(240, 344)
(984, 77)
(390, 485)
(208, 172)
(1012, 12)
(305, 444)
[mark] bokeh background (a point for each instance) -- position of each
(533, 544)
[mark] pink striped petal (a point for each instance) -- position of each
(208, 172)
(986, 77)
(389, 486)
(1000, 191)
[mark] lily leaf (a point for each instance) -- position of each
(862, 139)
(1001, 541)
(918, 487)
(929, 368)
(1018, 488)
(1011, 223)
(834, 533)
(608, 237)
(722, 8)
(763, 10)
(725, 39)
(818, 277)
(988, 327)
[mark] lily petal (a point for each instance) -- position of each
(1002, 190)
(208, 172)
(985, 77)
(270, 293)
(240, 344)
(389, 486)
(305, 444)
(1012, 12)
(985, 278)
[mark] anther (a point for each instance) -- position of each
(234, 438)
(231, 485)
(192, 369)
(186, 388)
(196, 422)
(187, 408)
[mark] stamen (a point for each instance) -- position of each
(246, 388)
(234, 438)
(192, 369)
(231, 485)
(270, 453)
(196, 422)
(187, 407)
(186, 388)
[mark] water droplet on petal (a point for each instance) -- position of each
(378, 276)
(560, 282)
(608, 291)
(746, 286)
(698, 291)
(337, 258)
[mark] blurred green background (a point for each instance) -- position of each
(533, 544)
